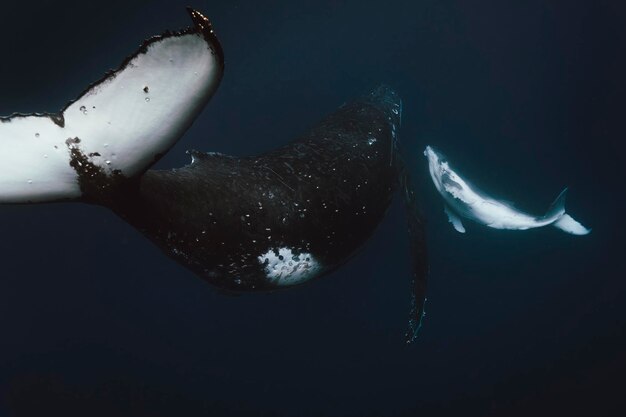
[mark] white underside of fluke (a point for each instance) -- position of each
(122, 123)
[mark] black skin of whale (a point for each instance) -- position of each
(323, 194)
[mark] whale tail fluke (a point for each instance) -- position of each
(563, 221)
(118, 127)
(567, 224)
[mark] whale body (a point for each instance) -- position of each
(243, 224)
(465, 201)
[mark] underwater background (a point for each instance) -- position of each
(525, 98)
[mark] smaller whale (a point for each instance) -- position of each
(464, 200)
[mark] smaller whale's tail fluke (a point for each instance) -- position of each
(567, 224)
(561, 220)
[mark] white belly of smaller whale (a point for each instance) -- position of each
(499, 216)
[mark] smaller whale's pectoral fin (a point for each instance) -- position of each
(454, 219)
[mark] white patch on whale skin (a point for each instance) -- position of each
(286, 269)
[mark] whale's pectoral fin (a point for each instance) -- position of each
(419, 255)
(119, 126)
(454, 219)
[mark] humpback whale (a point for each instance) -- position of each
(463, 200)
(243, 224)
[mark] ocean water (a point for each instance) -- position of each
(525, 98)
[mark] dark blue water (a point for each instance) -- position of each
(526, 98)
